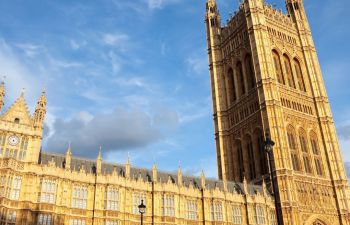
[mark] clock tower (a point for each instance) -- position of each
(21, 133)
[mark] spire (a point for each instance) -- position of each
(154, 172)
(127, 167)
(203, 180)
(99, 161)
(40, 110)
(2, 95)
(68, 157)
(179, 176)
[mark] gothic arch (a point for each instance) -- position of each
(259, 152)
(304, 149)
(249, 156)
(250, 74)
(299, 73)
(230, 87)
(317, 220)
(293, 149)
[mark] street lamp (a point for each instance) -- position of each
(142, 210)
(269, 150)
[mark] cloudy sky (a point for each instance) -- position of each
(132, 76)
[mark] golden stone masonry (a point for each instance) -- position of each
(266, 81)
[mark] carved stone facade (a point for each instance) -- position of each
(266, 80)
(45, 188)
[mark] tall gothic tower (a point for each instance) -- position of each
(266, 79)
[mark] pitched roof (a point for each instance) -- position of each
(146, 174)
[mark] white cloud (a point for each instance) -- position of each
(197, 64)
(159, 4)
(29, 49)
(118, 130)
(117, 39)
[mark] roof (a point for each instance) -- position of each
(146, 174)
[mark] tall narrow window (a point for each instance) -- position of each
(16, 188)
(251, 158)
(232, 86)
(289, 71)
(273, 217)
(278, 67)
(216, 211)
(10, 217)
(44, 219)
(250, 72)
(263, 159)
(79, 197)
(137, 198)
(293, 149)
(191, 210)
(305, 152)
(23, 148)
(2, 143)
(240, 78)
(259, 215)
(236, 215)
(300, 76)
(111, 198)
(168, 206)
(317, 155)
(48, 191)
(240, 160)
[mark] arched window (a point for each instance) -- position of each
(305, 151)
(300, 77)
(249, 147)
(289, 71)
(278, 67)
(240, 78)
(293, 149)
(16, 120)
(240, 159)
(231, 85)
(250, 72)
(317, 154)
(259, 152)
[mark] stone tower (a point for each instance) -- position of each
(266, 79)
(21, 133)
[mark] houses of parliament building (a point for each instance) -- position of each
(266, 82)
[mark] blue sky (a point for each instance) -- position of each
(132, 76)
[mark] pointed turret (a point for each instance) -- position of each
(68, 157)
(179, 176)
(40, 111)
(203, 180)
(99, 162)
(154, 173)
(127, 168)
(2, 95)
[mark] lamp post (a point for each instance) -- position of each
(142, 210)
(269, 150)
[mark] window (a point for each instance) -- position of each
(278, 67)
(305, 152)
(111, 222)
(137, 197)
(23, 148)
(168, 206)
(2, 143)
(79, 197)
(289, 71)
(250, 72)
(317, 155)
(111, 198)
(240, 78)
(259, 215)
(240, 160)
(300, 77)
(48, 191)
(251, 158)
(16, 120)
(293, 149)
(10, 216)
(273, 217)
(44, 219)
(231, 85)
(16, 188)
(236, 215)
(216, 211)
(262, 152)
(76, 222)
(192, 210)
